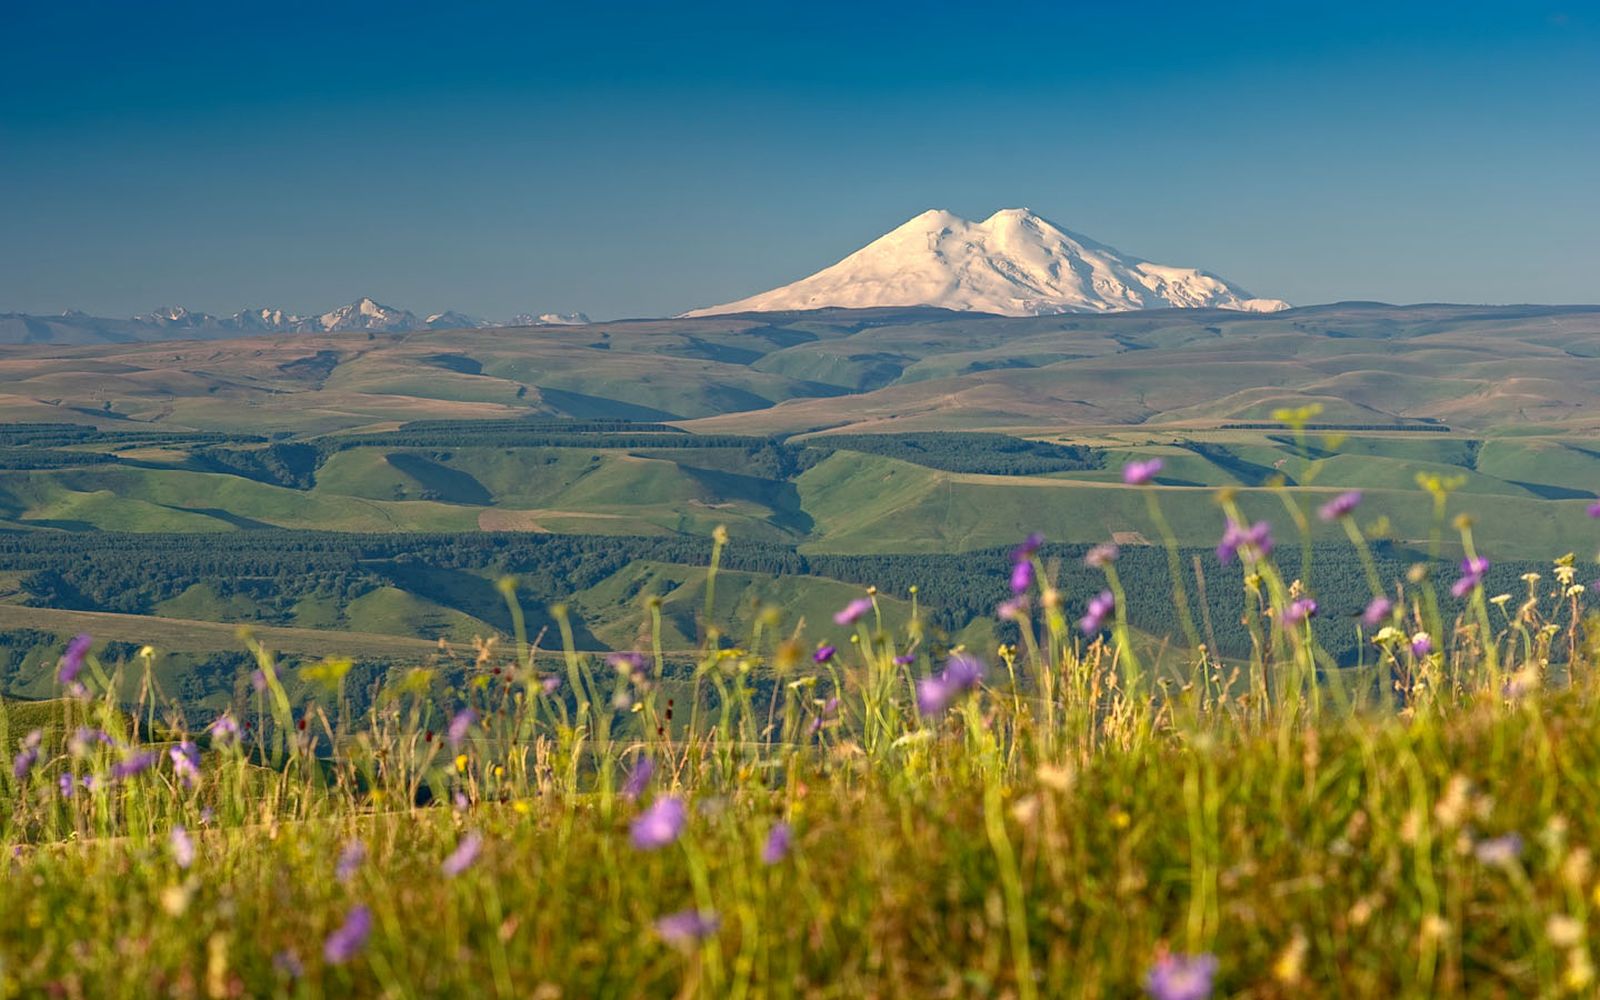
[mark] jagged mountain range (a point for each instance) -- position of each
(1014, 263)
(179, 323)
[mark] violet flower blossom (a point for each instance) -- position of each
(463, 857)
(72, 659)
(660, 825)
(638, 778)
(1341, 506)
(347, 941)
(688, 927)
(1181, 977)
(853, 612)
(1100, 607)
(780, 839)
(961, 674)
(1140, 473)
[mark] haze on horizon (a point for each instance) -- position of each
(502, 158)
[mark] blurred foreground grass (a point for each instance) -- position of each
(1070, 816)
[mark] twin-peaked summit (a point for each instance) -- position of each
(1014, 263)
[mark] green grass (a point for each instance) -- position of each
(391, 611)
(1092, 804)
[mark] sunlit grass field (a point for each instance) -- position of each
(852, 809)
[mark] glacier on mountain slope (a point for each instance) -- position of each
(1013, 263)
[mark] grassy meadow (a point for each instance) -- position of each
(699, 657)
(833, 801)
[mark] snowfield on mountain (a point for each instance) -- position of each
(1014, 263)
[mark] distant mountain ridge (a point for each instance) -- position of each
(179, 323)
(1014, 263)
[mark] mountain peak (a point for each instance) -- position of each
(367, 313)
(1014, 263)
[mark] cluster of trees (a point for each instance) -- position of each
(50, 458)
(279, 464)
(132, 573)
(67, 435)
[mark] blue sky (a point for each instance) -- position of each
(641, 159)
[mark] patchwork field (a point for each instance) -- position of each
(879, 433)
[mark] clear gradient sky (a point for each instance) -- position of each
(641, 159)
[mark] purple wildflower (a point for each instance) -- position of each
(1594, 510)
(961, 674)
(135, 763)
(351, 857)
(463, 856)
(72, 659)
(1255, 542)
(638, 779)
(1259, 538)
(823, 654)
(28, 756)
(186, 762)
(1298, 611)
(182, 846)
(1472, 571)
(1016, 607)
(830, 711)
(1377, 612)
(23, 762)
(1140, 473)
(460, 726)
(852, 612)
(1499, 851)
(346, 942)
(550, 685)
(905, 659)
(1021, 577)
(1421, 645)
(688, 926)
(81, 743)
(1181, 977)
(258, 680)
(67, 783)
(779, 841)
(659, 825)
(224, 731)
(1101, 555)
(1340, 506)
(1100, 607)
(1025, 551)
(630, 665)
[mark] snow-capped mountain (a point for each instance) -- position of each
(452, 320)
(363, 314)
(549, 319)
(367, 314)
(266, 320)
(175, 317)
(1014, 263)
(177, 323)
